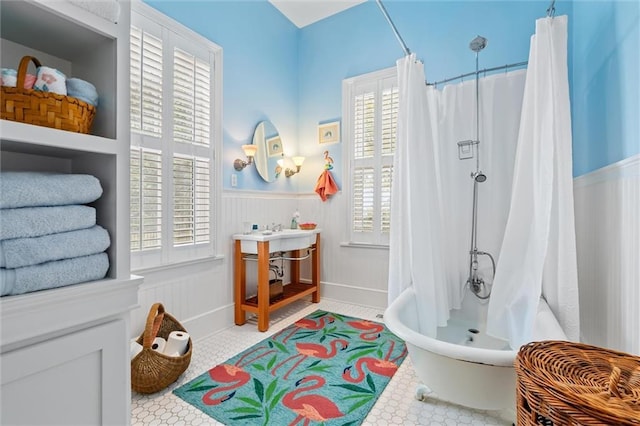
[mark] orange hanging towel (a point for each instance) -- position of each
(326, 185)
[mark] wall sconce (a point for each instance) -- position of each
(250, 152)
(297, 161)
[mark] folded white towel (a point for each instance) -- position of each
(19, 252)
(37, 189)
(50, 80)
(53, 274)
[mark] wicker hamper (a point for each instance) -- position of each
(152, 371)
(565, 383)
(44, 108)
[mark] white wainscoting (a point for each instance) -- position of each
(607, 210)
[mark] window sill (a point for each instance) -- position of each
(160, 268)
(365, 245)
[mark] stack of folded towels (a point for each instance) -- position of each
(48, 236)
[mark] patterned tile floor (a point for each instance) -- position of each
(396, 405)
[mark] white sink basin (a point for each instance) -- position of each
(285, 240)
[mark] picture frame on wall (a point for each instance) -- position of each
(274, 146)
(329, 132)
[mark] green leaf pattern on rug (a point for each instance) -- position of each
(325, 369)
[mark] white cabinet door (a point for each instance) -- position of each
(75, 379)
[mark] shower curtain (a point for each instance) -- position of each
(432, 188)
(525, 208)
(538, 252)
(416, 243)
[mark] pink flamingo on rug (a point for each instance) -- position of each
(382, 367)
(371, 329)
(307, 324)
(315, 408)
(232, 374)
(314, 350)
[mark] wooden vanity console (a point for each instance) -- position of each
(293, 244)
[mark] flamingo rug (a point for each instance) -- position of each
(324, 369)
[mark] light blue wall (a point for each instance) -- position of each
(605, 90)
(273, 70)
(260, 74)
(360, 40)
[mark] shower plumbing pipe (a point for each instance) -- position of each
(393, 27)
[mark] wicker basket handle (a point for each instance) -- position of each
(614, 378)
(154, 321)
(22, 70)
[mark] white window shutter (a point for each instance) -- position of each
(191, 99)
(146, 83)
(191, 200)
(146, 199)
(372, 100)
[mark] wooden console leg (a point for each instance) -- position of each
(263, 286)
(315, 271)
(239, 284)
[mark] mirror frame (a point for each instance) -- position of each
(270, 149)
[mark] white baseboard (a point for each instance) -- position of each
(356, 295)
(209, 323)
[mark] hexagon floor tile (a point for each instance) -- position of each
(396, 406)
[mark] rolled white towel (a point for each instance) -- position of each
(9, 77)
(50, 80)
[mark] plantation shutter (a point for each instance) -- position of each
(374, 110)
(146, 83)
(175, 104)
(191, 99)
(191, 200)
(146, 199)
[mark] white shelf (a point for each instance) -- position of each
(41, 314)
(30, 139)
(62, 323)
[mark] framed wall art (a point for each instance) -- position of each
(329, 132)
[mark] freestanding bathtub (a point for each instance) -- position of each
(463, 364)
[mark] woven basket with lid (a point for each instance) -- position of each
(566, 383)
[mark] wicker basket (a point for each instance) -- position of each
(44, 108)
(565, 383)
(152, 371)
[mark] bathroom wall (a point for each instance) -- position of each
(605, 89)
(293, 77)
(260, 76)
(606, 152)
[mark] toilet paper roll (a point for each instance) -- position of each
(159, 344)
(136, 348)
(177, 343)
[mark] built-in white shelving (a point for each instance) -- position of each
(82, 329)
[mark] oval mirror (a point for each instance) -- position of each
(270, 150)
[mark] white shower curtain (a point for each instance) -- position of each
(415, 246)
(538, 253)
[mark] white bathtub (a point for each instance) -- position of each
(461, 366)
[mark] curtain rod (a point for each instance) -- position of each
(486, 70)
(393, 27)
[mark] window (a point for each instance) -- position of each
(370, 111)
(175, 114)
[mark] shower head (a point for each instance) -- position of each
(478, 43)
(479, 177)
